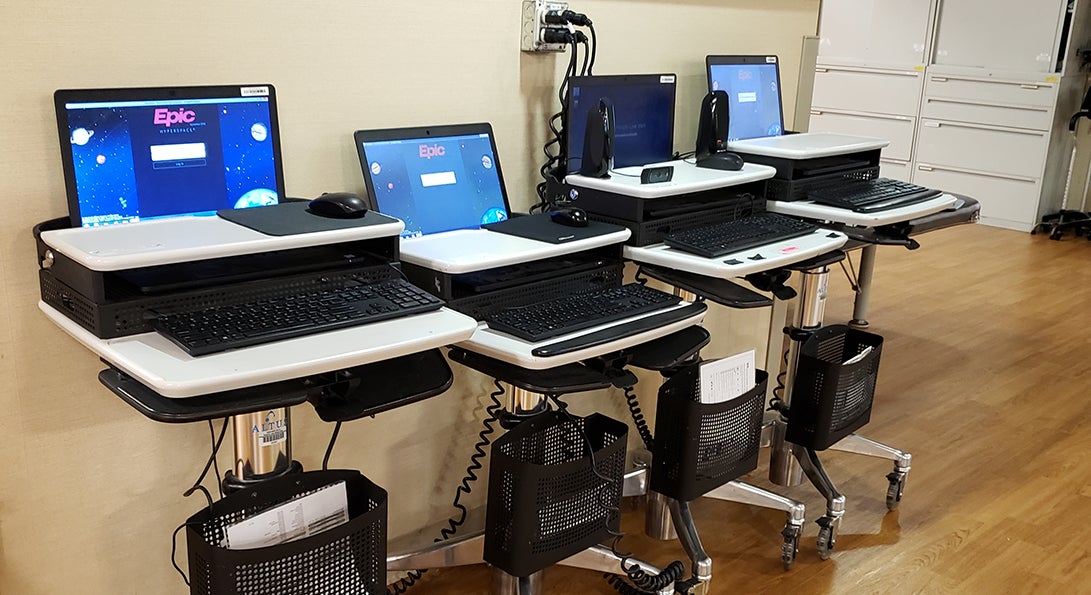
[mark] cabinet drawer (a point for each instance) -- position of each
(1026, 93)
(1014, 116)
(1006, 202)
(896, 129)
(898, 170)
(1017, 153)
(881, 91)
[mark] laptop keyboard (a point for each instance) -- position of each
(868, 196)
(308, 312)
(725, 237)
(578, 312)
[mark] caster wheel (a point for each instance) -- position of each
(1055, 235)
(895, 490)
(826, 538)
(790, 547)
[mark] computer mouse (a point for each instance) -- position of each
(726, 161)
(338, 205)
(570, 216)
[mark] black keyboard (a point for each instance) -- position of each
(313, 311)
(725, 237)
(868, 196)
(580, 311)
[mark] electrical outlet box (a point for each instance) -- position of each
(530, 36)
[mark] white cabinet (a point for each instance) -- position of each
(981, 109)
(1013, 35)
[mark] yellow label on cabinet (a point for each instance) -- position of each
(918, 68)
(1053, 79)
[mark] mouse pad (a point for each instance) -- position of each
(289, 218)
(540, 227)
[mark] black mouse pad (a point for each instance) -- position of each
(540, 227)
(289, 218)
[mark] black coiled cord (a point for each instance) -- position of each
(453, 523)
(638, 418)
(778, 390)
(647, 584)
(483, 440)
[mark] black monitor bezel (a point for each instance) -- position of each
(735, 60)
(420, 132)
(65, 96)
(615, 79)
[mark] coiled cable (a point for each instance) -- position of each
(638, 418)
(483, 439)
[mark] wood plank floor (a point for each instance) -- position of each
(986, 380)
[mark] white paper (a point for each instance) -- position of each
(724, 379)
(294, 519)
(858, 356)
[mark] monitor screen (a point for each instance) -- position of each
(643, 117)
(753, 85)
(137, 154)
(434, 179)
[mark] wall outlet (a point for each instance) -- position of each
(530, 37)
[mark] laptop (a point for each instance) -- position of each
(643, 116)
(435, 178)
(756, 123)
(148, 153)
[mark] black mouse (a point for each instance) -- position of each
(726, 161)
(570, 216)
(338, 205)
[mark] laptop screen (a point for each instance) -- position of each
(753, 85)
(136, 154)
(434, 179)
(643, 116)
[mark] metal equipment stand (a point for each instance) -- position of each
(667, 518)
(788, 462)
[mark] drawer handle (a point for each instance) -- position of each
(983, 127)
(985, 174)
(821, 69)
(939, 79)
(1030, 87)
(1003, 105)
(868, 115)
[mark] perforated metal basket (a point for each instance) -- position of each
(830, 398)
(701, 446)
(546, 501)
(348, 559)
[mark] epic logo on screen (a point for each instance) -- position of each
(428, 152)
(167, 117)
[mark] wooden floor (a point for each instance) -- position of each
(986, 380)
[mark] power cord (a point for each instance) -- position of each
(556, 164)
(638, 418)
(329, 447)
(483, 439)
(216, 442)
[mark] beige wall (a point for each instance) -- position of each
(90, 489)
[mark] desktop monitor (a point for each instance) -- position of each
(643, 107)
(752, 84)
(435, 178)
(135, 154)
